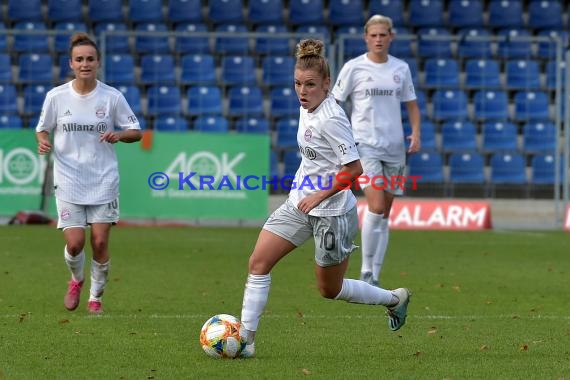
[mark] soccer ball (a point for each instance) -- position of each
(220, 337)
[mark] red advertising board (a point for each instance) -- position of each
(437, 215)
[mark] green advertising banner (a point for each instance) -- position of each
(21, 171)
(181, 176)
(195, 175)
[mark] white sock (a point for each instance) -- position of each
(383, 237)
(254, 300)
(75, 264)
(370, 239)
(99, 275)
(357, 291)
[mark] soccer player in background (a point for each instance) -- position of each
(86, 117)
(327, 215)
(376, 83)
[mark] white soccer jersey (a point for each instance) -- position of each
(376, 91)
(85, 170)
(326, 144)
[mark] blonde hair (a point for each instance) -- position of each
(310, 56)
(82, 39)
(379, 19)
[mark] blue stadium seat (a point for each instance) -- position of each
(31, 43)
(24, 10)
(505, 14)
(218, 124)
(466, 168)
(499, 136)
(272, 45)
(3, 38)
(543, 169)
(164, 100)
(237, 70)
(346, 12)
(391, 8)
(428, 133)
(245, 101)
(105, 11)
(168, 123)
(283, 102)
(291, 161)
(65, 72)
(185, 11)
(204, 100)
(65, 10)
(145, 11)
(508, 168)
(34, 96)
(522, 75)
(5, 68)
(465, 13)
(474, 43)
(252, 125)
(490, 105)
(157, 69)
(35, 68)
(265, 12)
(482, 74)
(286, 136)
(8, 99)
(551, 75)
(190, 43)
(449, 105)
(133, 96)
(531, 105)
(514, 43)
(119, 69)
(197, 69)
(114, 43)
(278, 70)
(231, 43)
(547, 49)
(401, 46)
(304, 12)
(414, 69)
(434, 43)
(458, 136)
(441, 73)
(10, 122)
(65, 31)
(425, 13)
(225, 11)
(315, 31)
(539, 137)
(427, 165)
(355, 45)
(545, 14)
(156, 44)
(421, 100)
(273, 165)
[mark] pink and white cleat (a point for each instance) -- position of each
(94, 307)
(71, 299)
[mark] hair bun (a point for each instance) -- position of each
(310, 47)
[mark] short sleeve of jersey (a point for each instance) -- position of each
(124, 116)
(408, 90)
(48, 115)
(343, 85)
(339, 135)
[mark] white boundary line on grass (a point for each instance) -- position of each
(111, 315)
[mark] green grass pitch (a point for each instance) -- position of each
(485, 305)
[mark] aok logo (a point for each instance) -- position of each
(20, 166)
(206, 164)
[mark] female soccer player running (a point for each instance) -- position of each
(86, 117)
(327, 215)
(376, 84)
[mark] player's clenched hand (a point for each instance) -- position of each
(44, 147)
(110, 137)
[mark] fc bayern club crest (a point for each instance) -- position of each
(396, 78)
(100, 113)
(308, 135)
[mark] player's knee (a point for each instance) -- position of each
(328, 291)
(258, 266)
(99, 245)
(74, 248)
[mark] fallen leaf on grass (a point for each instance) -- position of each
(484, 347)
(305, 371)
(23, 317)
(300, 314)
(63, 321)
(432, 330)
(524, 347)
(457, 288)
(418, 354)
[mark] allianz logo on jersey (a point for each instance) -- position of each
(100, 127)
(379, 92)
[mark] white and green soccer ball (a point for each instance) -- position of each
(220, 337)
